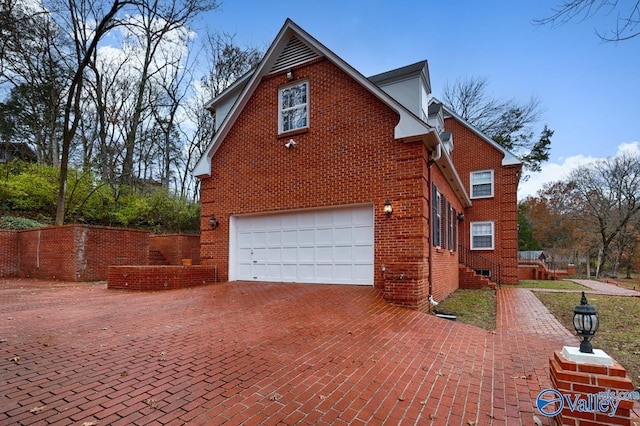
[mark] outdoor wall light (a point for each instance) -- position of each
(213, 222)
(290, 75)
(388, 209)
(460, 217)
(585, 320)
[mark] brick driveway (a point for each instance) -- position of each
(258, 353)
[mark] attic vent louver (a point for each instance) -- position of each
(294, 53)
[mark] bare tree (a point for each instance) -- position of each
(155, 25)
(626, 16)
(89, 22)
(508, 122)
(33, 74)
(225, 62)
(607, 199)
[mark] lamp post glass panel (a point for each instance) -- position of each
(585, 321)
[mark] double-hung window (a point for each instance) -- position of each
(482, 184)
(436, 216)
(450, 222)
(293, 105)
(482, 236)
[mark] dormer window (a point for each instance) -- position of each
(293, 103)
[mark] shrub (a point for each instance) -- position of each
(17, 223)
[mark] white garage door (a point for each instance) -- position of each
(332, 246)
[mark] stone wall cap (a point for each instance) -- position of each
(598, 357)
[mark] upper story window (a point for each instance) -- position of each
(482, 236)
(482, 184)
(293, 104)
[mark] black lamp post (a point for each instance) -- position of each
(585, 320)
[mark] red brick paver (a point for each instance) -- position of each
(260, 353)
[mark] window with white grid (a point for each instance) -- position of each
(293, 104)
(482, 236)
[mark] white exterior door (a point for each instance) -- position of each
(330, 246)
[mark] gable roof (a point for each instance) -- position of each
(508, 158)
(293, 46)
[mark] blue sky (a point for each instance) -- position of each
(590, 90)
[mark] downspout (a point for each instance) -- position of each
(430, 161)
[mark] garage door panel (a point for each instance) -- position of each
(362, 235)
(324, 236)
(342, 235)
(324, 273)
(362, 254)
(289, 272)
(306, 271)
(274, 254)
(289, 254)
(362, 273)
(342, 254)
(290, 238)
(259, 239)
(274, 238)
(342, 217)
(342, 273)
(306, 220)
(274, 271)
(244, 255)
(244, 239)
(322, 246)
(306, 254)
(323, 220)
(324, 254)
(273, 222)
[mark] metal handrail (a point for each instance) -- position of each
(480, 264)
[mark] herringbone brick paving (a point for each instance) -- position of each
(263, 354)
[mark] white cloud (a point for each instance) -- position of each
(553, 172)
(632, 148)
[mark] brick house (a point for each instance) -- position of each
(318, 174)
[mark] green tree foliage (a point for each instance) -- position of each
(526, 241)
(30, 190)
(18, 223)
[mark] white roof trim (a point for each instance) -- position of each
(445, 164)
(409, 126)
(508, 160)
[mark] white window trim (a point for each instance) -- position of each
(297, 83)
(493, 235)
(471, 184)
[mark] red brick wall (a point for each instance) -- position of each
(175, 247)
(9, 259)
(152, 278)
(347, 156)
(445, 262)
(471, 153)
(79, 253)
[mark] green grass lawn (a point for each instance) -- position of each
(474, 307)
(619, 325)
(551, 285)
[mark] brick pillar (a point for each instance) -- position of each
(584, 381)
(571, 269)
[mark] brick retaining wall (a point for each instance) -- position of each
(175, 247)
(152, 278)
